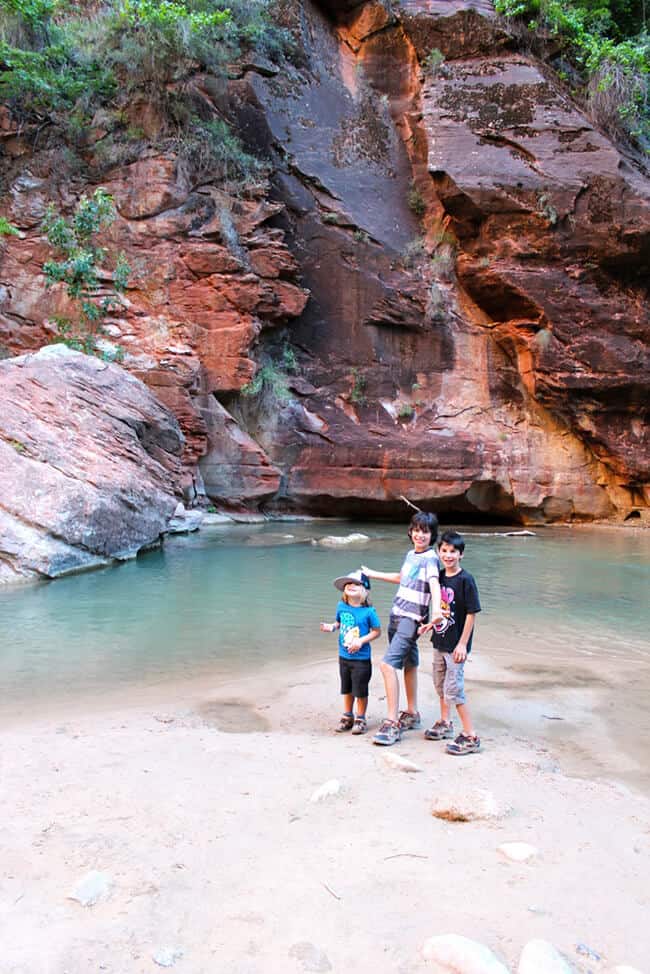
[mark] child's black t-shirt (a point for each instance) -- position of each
(459, 599)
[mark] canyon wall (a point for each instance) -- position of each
(444, 279)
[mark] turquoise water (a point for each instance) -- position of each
(235, 597)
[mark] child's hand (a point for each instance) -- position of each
(438, 617)
(354, 646)
(427, 627)
(327, 627)
(460, 653)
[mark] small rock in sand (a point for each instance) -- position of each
(541, 957)
(459, 955)
(91, 888)
(517, 851)
(624, 969)
(167, 956)
(311, 958)
(399, 763)
(327, 790)
(587, 951)
(467, 806)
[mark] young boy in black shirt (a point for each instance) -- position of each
(452, 641)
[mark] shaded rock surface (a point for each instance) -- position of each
(89, 464)
(456, 258)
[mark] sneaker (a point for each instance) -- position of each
(346, 723)
(464, 744)
(409, 721)
(388, 733)
(360, 726)
(441, 730)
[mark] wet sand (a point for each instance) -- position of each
(194, 801)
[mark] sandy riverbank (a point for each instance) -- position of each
(196, 807)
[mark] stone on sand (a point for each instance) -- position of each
(398, 763)
(467, 805)
(541, 957)
(517, 851)
(453, 954)
(327, 790)
(91, 888)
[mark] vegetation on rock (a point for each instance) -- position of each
(80, 264)
(600, 47)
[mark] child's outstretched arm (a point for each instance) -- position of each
(356, 644)
(381, 576)
(329, 626)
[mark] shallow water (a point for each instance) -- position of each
(565, 624)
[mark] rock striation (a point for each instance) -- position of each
(89, 464)
(445, 279)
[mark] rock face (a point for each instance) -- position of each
(456, 260)
(89, 464)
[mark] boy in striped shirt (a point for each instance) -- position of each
(418, 592)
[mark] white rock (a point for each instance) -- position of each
(541, 957)
(167, 956)
(459, 955)
(326, 790)
(399, 763)
(624, 969)
(467, 805)
(336, 540)
(91, 888)
(184, 521)
(517, 851)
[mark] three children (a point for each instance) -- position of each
(450, 594)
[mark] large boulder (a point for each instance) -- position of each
(89, 464)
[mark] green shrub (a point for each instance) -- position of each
(270, 378)
(7, 229)
(433, 61)
(359, 385)
(415, 201)
(80, 259)
(214, 151)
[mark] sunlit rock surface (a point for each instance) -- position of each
(89, 464)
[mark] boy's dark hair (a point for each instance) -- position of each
(425, 522)
(455, 539)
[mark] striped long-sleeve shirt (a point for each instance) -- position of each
(414, 593)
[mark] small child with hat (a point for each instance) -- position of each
(358, 624)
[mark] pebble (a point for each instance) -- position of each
(624, 969)
(167, 956)
(91, 888)
(517, 851)
(399, 763)
(459, 955)
(467, 805)
(541, 957)
(587, 952)
(311, 958)
(327, 790)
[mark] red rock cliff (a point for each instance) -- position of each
(476, 259)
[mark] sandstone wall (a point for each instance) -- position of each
(456, 259)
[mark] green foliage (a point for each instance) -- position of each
(433, 61)
(8, 229)
(330, 217)
(270, 378)
(404, 410)
(359, 385)
(214, 151)
(80, 261)
(608, 43)
(416, 202)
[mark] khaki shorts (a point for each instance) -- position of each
(448, 677)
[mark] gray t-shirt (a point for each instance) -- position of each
(414, 594)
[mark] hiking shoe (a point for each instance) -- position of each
(464, 744)
(360, 726)
(346, 723)
(388, 733)
(409, 721)
(441, 730)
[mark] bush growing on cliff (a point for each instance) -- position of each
(80, 263)
(608, 43)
